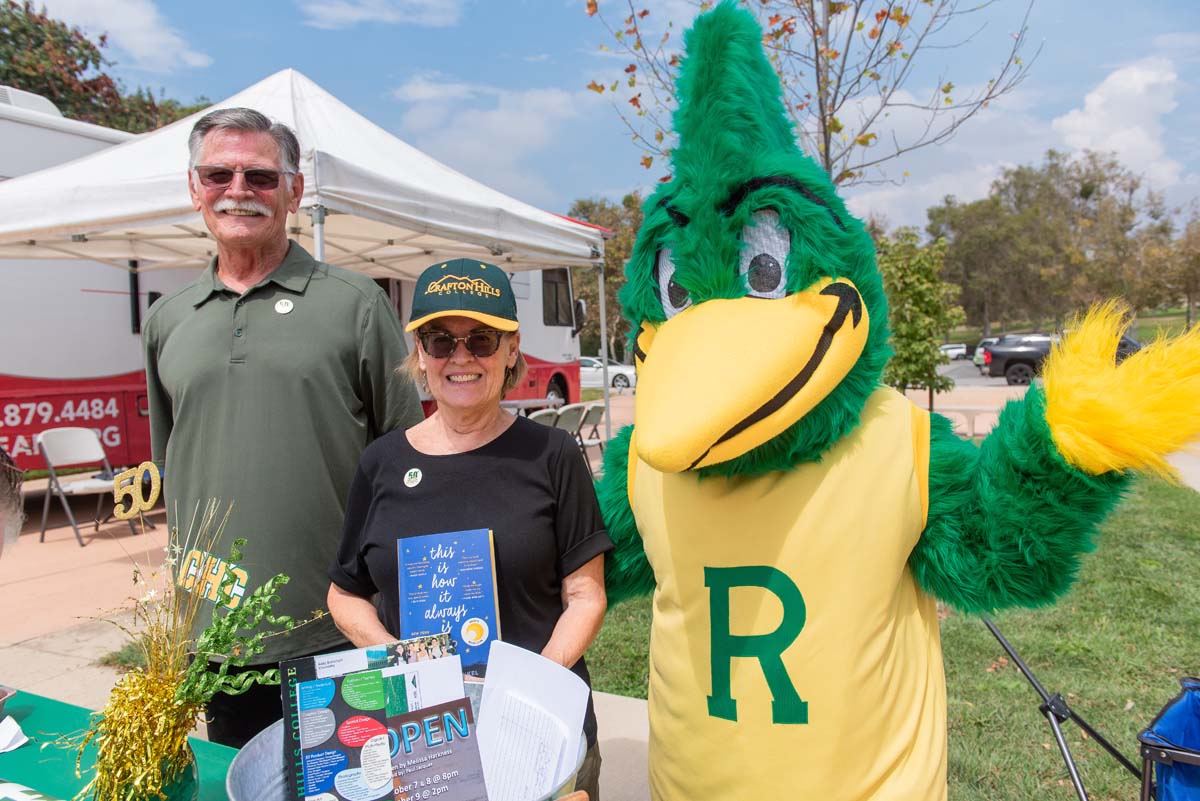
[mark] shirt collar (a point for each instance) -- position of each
(292, 274)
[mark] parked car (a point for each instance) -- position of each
(955, 350)
(591, 374)
(977, 358)
(1018, 357)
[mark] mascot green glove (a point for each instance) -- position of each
(794, 519)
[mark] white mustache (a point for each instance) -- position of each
(229, 204)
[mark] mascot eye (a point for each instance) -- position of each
(765, 247)
(674, 297)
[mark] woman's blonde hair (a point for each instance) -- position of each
(411, 367)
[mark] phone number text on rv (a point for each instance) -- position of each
(19, 421)
(21, 415)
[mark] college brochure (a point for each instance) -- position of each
(401, 692)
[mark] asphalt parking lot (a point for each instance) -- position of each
(966, 374)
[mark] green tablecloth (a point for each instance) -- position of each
(51, 770)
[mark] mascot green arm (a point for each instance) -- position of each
(627, 572)
(1009, 520)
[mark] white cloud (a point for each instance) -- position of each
(1124, 115)
(492, 134)
(906, 205)
(348, 13)
(537, 58)
(135, 28)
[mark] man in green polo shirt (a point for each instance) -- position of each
(267, 376)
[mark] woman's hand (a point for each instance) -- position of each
(584, 603)
(355, 616)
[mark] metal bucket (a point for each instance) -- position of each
(257, 772)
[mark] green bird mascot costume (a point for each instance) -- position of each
(795, 519)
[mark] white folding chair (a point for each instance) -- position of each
(63, 447)
(589, 430)
(570, 419)
(11, 506)
(546, 417)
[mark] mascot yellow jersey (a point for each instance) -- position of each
(764, 651)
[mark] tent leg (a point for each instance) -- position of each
(604, 355)
(317, 215)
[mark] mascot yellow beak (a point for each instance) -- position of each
(725, 376)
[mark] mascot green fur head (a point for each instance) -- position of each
(759, 319)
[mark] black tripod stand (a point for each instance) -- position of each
(1056, 710)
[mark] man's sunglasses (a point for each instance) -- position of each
(215, 177)
(440, 345)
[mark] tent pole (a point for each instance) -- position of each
(604, 355)
(317, 215)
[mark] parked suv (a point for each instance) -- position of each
(1018, 357)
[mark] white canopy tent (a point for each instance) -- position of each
(372, 203)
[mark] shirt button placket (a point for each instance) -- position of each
(238, 348)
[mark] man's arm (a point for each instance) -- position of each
(391, 399)
(162, 414)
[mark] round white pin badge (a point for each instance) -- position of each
(284, 306)
(412, 478)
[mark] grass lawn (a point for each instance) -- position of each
(1115, 646)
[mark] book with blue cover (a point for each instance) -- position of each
(448, 587)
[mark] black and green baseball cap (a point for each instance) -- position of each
(464, 288)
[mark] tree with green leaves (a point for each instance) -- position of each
(845, 67)
(43, 55)
(1053, 238)
(1184, 265)
(985, 257)
(623, 219)
(922, 310)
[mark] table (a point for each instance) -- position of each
(528, 405)
(51, 770)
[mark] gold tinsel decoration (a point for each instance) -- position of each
(141, 739)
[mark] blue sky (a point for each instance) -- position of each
(496, 88)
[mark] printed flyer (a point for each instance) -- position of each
(437, 755)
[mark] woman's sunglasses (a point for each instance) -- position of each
(439, 344)
(215, 177)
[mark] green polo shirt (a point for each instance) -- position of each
(267, 399)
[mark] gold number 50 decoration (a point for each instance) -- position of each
(130, 484)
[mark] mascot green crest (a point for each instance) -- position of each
(794, 519)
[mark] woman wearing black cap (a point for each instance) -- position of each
(473, 465)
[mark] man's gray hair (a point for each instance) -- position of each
(245, 119)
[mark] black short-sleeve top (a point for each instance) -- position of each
(529, 485)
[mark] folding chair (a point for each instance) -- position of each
(570, 419)
(589, 430)
(1170, 748)
(546, 417)
(62, 447)
(11, 507)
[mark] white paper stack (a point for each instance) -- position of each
(530, 721)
